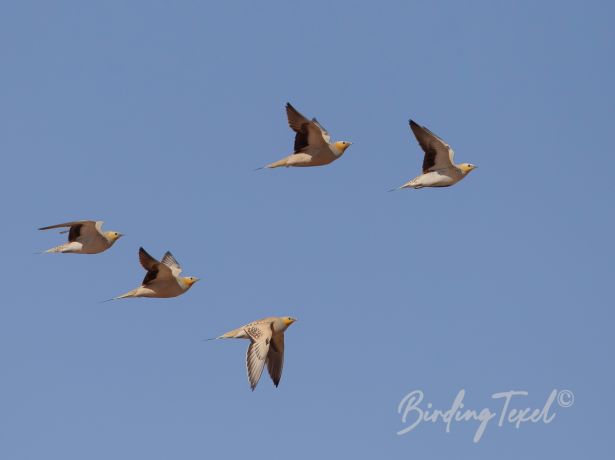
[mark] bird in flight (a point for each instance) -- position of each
(162, 278)
(84, 237)
(313, 146)
(266, 346)
(439, 170)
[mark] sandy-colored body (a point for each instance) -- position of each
(84, 237)
(319, 157)
(441, 178)
(313, 146)
(266, 346)
(162, 279)
(158, 289)
(439, 169)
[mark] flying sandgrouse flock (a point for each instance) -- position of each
(312, 147)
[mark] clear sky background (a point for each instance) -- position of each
(152, 116)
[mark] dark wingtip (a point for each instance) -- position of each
(412, 122)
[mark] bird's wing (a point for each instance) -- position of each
(438, 154)
(98, 226)
(84, 231)
(324, 133)
(260, 340)
(309, 132)
(275, 358)
(79, 228)
(295, 119)
(147, 261)
(172, 263)
(88, 230)
(67, 224)
(155, 269)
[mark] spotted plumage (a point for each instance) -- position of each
(266, 347)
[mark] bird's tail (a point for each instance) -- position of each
(234, 334)
(410, 184)
(55, 250)
(216, 338)
(72, 246)
(238, 333)
(277, 164)
(123, 296)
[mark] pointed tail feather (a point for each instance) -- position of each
(410, 184)
(55, 250)
(238, 333)
(277, 164)
(70, 247)
(123, 296)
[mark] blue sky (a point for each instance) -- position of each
(152, 116)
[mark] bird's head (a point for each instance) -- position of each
(341, 146)
(112, 237)
(467, 167)
(188, 281)
(287, 320)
